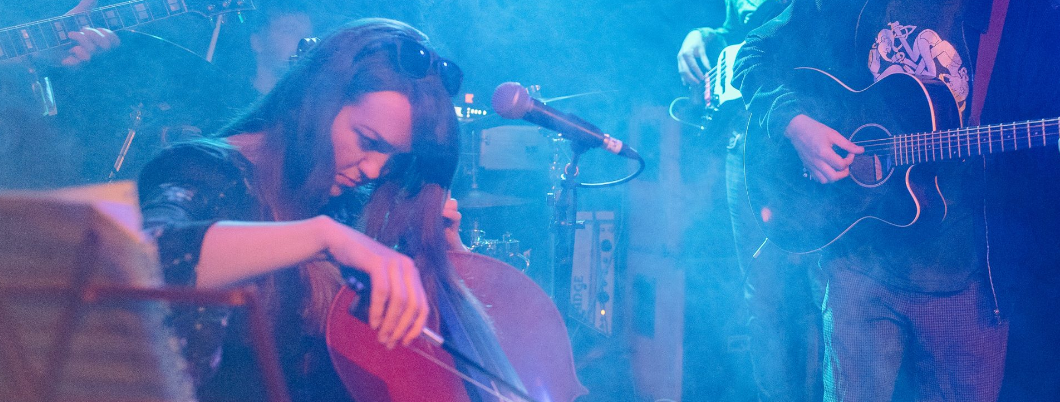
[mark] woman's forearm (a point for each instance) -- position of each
(236, 251)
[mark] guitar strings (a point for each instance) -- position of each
(956, 144)
(713, 73)
(963, 137)
(968, 132)
(89, 12)
(963, 141)
(916, 148)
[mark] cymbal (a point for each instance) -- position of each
(476, 199)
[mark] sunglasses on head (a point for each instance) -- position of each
(411, 58)
(416, 61)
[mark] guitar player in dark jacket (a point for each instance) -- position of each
(783, 323)
(909, 313)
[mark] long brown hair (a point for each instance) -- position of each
(405, 209)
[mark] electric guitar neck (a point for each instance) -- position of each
(33, 37)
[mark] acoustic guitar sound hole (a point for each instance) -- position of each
(876, 165)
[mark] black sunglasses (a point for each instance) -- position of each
(417, 61)
(411, 57)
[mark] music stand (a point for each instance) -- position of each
(82, 306)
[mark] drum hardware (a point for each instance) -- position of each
(130, 102)
(506, 249)
(477, 199)
(138, 118)
(42, 88)
(497, 151)
(514, 101)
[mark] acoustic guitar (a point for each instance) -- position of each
(906, 125)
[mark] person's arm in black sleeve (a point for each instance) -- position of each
(763, 66)
(808, 33)
(731, 31)
(701, 44)
(183, 192)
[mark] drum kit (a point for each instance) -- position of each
(502, 168)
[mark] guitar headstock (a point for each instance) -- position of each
(213, 8)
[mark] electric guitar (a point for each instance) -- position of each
(721, 79)
(716, 92)
(904, 124)
(53, 32)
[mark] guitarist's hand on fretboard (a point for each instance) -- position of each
(90, 42)
(816, 145)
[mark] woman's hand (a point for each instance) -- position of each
(233, 252)
(452, 218)
(398, 307)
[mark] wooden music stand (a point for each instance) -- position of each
(83, 308)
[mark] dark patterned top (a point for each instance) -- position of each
(183, 191)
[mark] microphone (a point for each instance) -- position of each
(512, 101)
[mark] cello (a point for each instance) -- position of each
(529, 329)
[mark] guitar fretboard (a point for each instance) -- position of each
(54, 32)
(909, 149)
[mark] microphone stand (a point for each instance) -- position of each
(563, 226)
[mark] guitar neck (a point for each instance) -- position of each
(54, 32)
(935, 146)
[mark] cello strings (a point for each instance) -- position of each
(431, 338)
(491, 390)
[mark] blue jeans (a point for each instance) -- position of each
(782, 293)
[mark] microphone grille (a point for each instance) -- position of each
(511, 100)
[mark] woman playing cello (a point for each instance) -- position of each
(361, 134)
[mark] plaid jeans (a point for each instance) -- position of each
(884, 344)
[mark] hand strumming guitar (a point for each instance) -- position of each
(816, 145)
